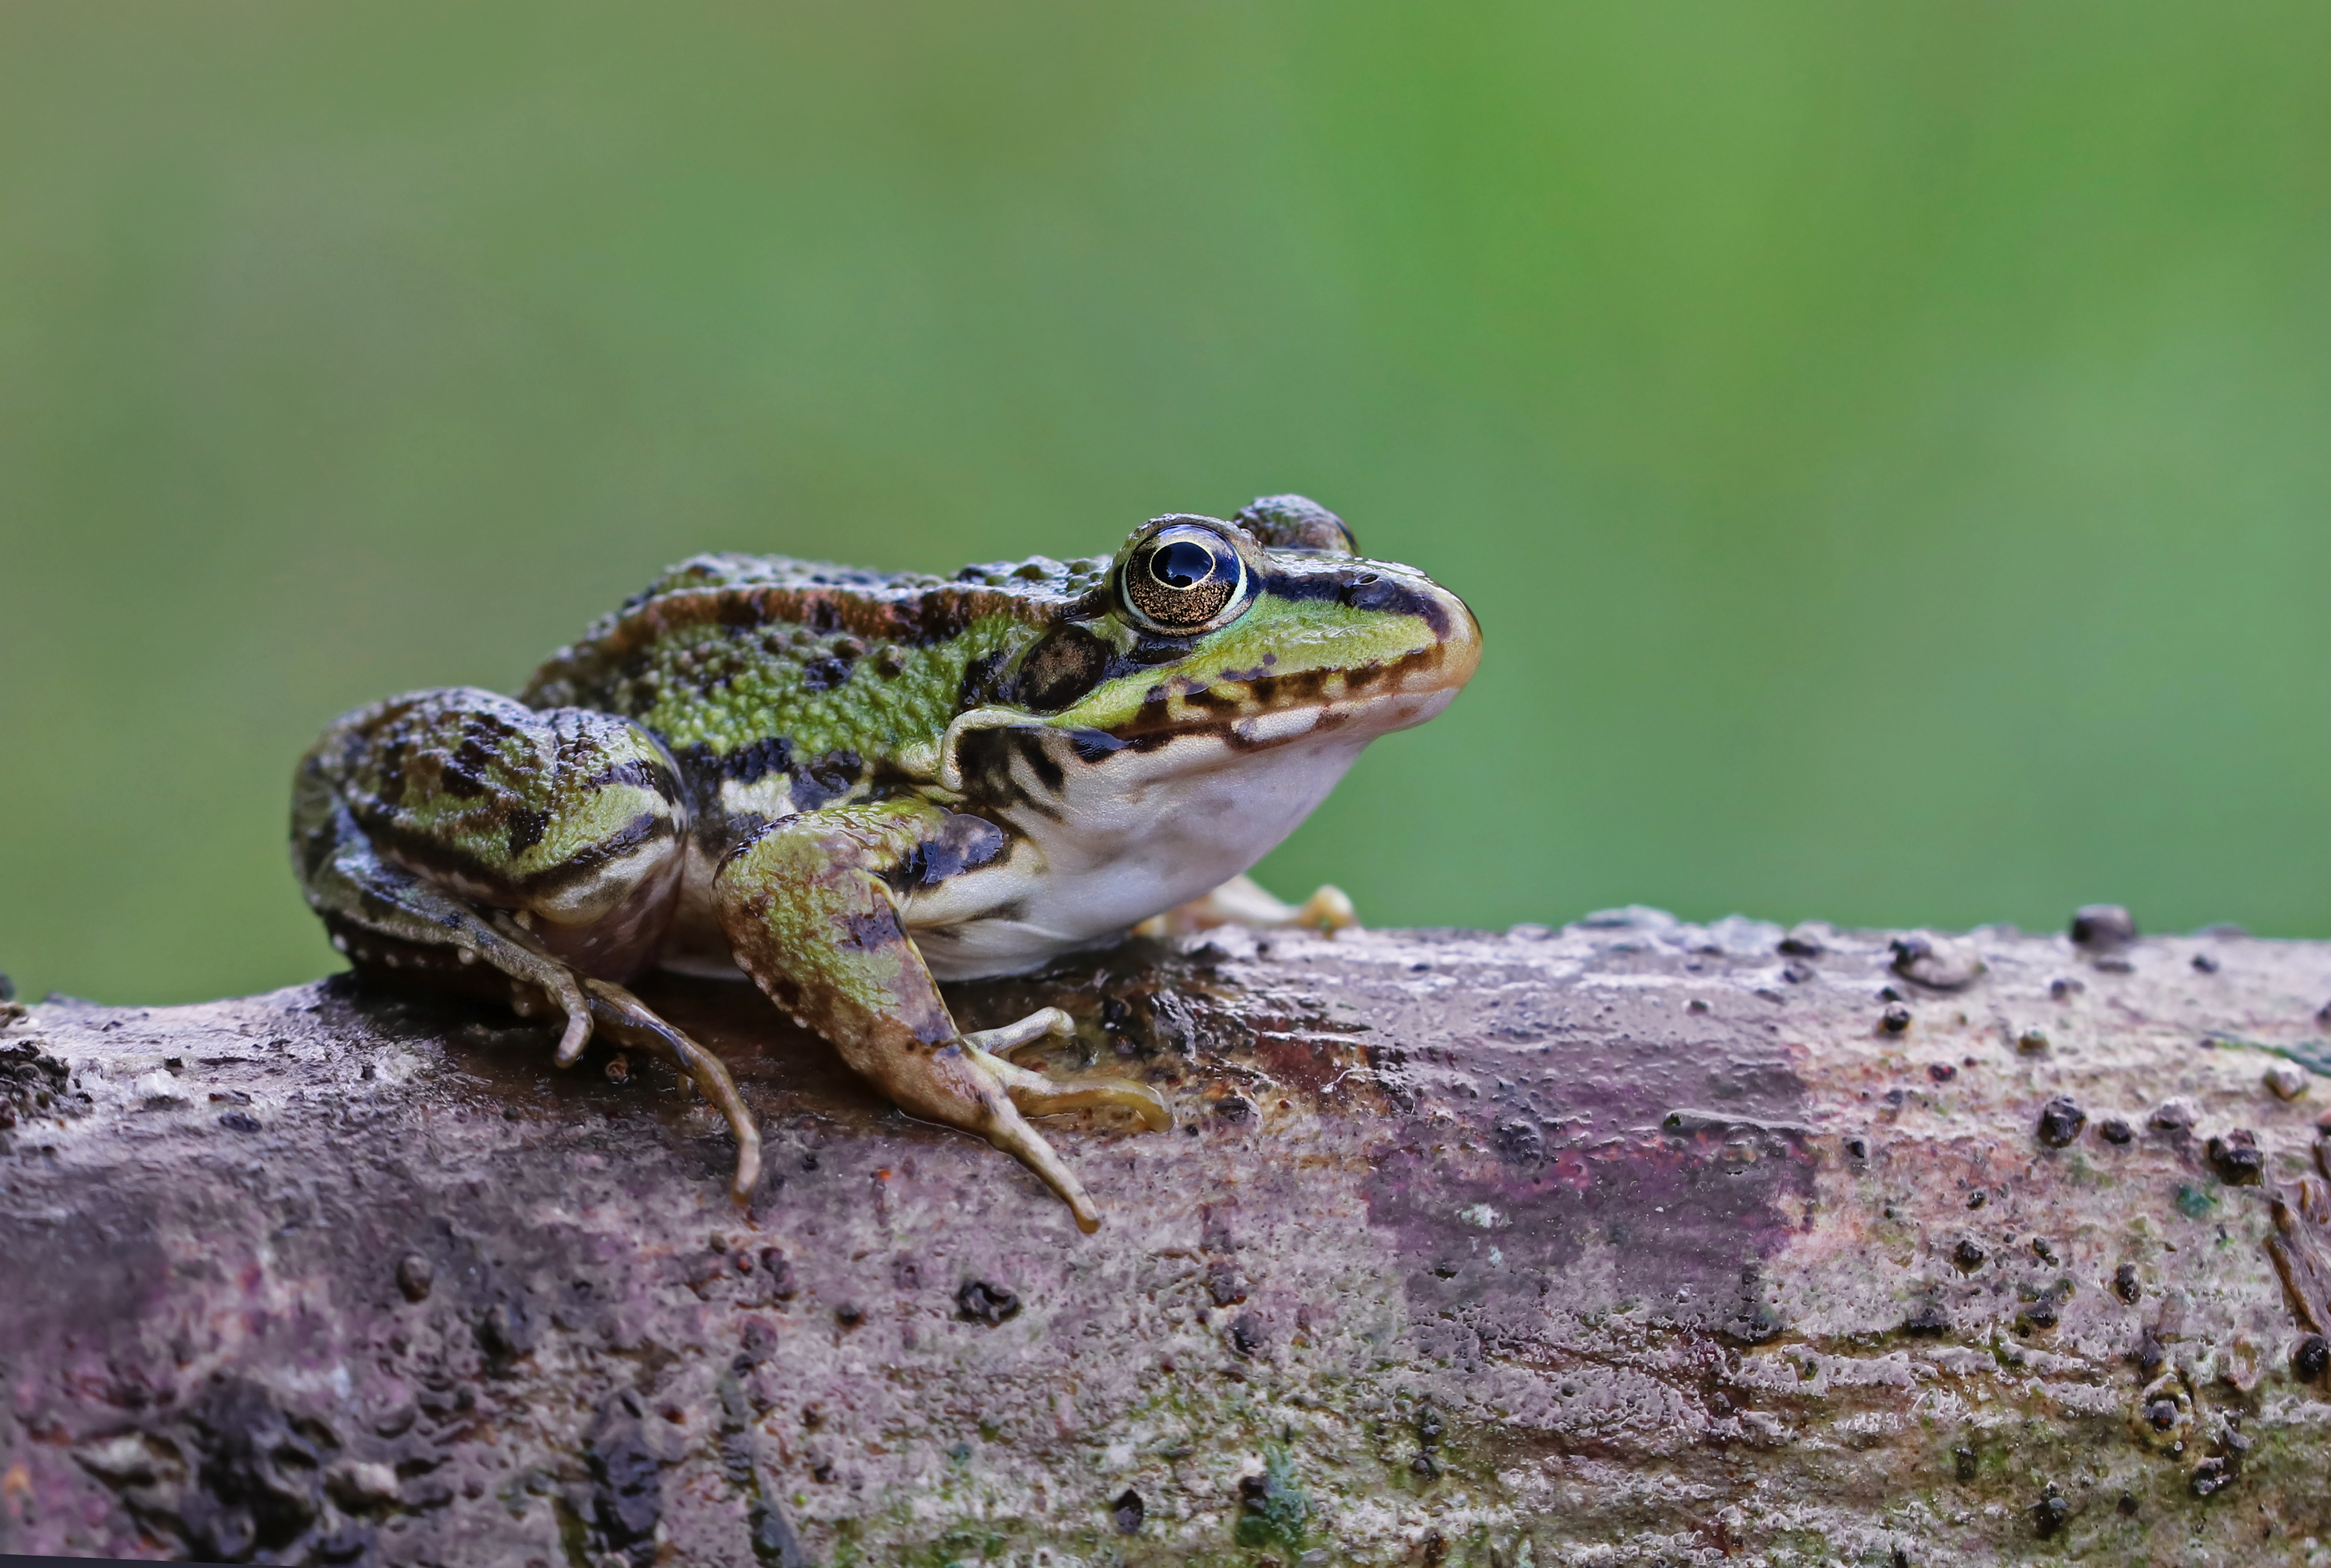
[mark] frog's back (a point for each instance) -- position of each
(747, 666)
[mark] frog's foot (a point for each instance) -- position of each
(1038, 1096)
(985, 1106)
(989, 1096)
(556, 981)
(633, 1022)
(1243, 901)
(1031, 1093)
(790, 897)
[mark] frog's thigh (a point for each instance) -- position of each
(415, 817)
(1243, 901)
(809, 918)
(355, 889)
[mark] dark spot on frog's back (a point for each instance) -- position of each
(526, 830)
(757, 759)
(482, 729)
(983, 681)
(738, 612)
(942, 617)
(463, 775)
(827, 777)
(825, 674)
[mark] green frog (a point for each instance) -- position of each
(850, 787)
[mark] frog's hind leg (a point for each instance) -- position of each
(544, 844)
(359, 893)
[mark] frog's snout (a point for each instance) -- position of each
(1461, 640)
(1447, 660)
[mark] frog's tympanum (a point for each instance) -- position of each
(850, 787)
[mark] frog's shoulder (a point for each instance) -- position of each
(741, 593)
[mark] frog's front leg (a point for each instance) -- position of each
(810, 917)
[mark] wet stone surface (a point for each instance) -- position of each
(1631, 1242)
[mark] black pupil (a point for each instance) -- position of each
(1183, 563)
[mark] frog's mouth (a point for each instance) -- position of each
(1070, 774)
(1248, 710)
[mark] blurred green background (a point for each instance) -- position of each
(1888, 447)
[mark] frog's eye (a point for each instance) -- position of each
(1181, 578)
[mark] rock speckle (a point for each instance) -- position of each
(978, 1301)
(2237, 1158)
(1938, 962)
(2060, 1121)
(2103, 927)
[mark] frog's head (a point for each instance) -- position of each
(1211, 644)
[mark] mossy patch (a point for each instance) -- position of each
(1273, 1509)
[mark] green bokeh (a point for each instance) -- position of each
(1888, 447)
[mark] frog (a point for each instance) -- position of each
(851, 787)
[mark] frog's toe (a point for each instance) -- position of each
(1038, 1096)
(1243, 901)
(555, 979)
(1327, 910)
(1006, 1131)
(1043, 1024)
(633, 1022)
(577, 1035)
(972, 1090)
